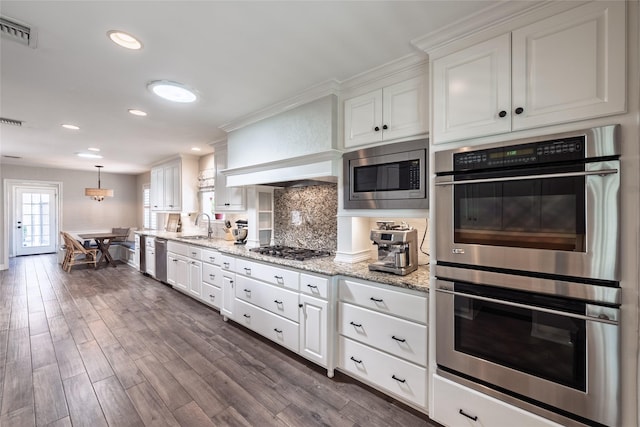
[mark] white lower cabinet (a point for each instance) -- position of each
(456, 405)
(184, 268)
(211, 279)
(383, 338)
(178, 271)
(314, 325)
(267, 324)
(277, 300)
(150, 256)
(195, 278)
(403, 379)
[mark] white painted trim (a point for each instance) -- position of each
(311, 170)
(413, 61)
(9, 184)
(352, 257)
(494, 20)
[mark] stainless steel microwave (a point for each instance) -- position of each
(392, 176)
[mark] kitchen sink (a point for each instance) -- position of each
(199, 237)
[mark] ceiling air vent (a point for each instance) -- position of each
(18, 32)
(5, 121)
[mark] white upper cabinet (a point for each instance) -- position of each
(227, 198)
(565, 68)
(393, 112)
(173, 186)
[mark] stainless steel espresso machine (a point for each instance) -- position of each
(397, 249)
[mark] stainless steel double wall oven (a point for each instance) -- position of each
(527, 289)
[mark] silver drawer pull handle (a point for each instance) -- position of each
(247, 270)
(278, 331)
(226, 264)
(278, 277)
(398, 379)
(398, 339)
(473, 418)
(193, 253)
(212, 296)
(313, 286)
(248, 291)
(247, 316)
(357, 325)
(375, 299)
(212, 276)
(355, 360)
(277, 302)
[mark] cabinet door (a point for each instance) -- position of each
(227, 198)
(472, 90)
(172, 187)
(150, 259)
(570, 66)
(404, 107)
(195, 278)
(228, 295)
(182, 274)
(172, 269)
(313, 329)
(157, 189)
(362, 115)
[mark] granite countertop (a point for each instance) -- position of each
(418, 280)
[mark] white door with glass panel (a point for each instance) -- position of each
(36, 223)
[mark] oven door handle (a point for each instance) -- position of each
(601, 318)
(602, 172)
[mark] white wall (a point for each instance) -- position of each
(80, 213)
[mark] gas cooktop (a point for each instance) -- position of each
(288, 252)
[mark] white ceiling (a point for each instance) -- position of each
(240, 56)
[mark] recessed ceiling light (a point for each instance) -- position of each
(125, 40)
(137, 112)
(89, 155)
(93, 149)
(172, 91)
(72, 127)
(195, 148)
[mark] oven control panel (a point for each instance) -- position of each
(524, 154)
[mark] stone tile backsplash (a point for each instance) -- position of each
(306, 216)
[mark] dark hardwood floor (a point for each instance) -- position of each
(111, 347)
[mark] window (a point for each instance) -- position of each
(150, 219)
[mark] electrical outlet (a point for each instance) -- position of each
(296, 218)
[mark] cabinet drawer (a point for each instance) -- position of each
(211, 295)
(397, 376)
(399, 337)
(316, 286)
(275, 299)
(212, 257)
(268, 273)
(412, 307)
(276, 328)
(177, 248)
(212, 274)
(456, 405)
(194, 252)
(228, 262)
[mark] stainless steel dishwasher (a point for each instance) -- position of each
(161, 259)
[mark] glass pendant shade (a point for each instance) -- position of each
(98, 194)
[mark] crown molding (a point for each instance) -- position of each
(412, 61)
(330, 87)
(502, 16)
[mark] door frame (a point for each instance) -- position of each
(9, 211)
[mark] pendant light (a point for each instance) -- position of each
(98, 193)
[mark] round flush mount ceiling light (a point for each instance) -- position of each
(125, 40)
(70, 126)
(136, 112)
(89, 155)
(172, 91)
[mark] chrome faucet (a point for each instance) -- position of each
(209, 230)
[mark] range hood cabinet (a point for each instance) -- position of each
(298, 144)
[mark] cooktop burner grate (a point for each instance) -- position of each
(288, 252)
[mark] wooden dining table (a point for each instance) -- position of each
(104, 240)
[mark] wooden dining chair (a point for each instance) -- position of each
(75, 253)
